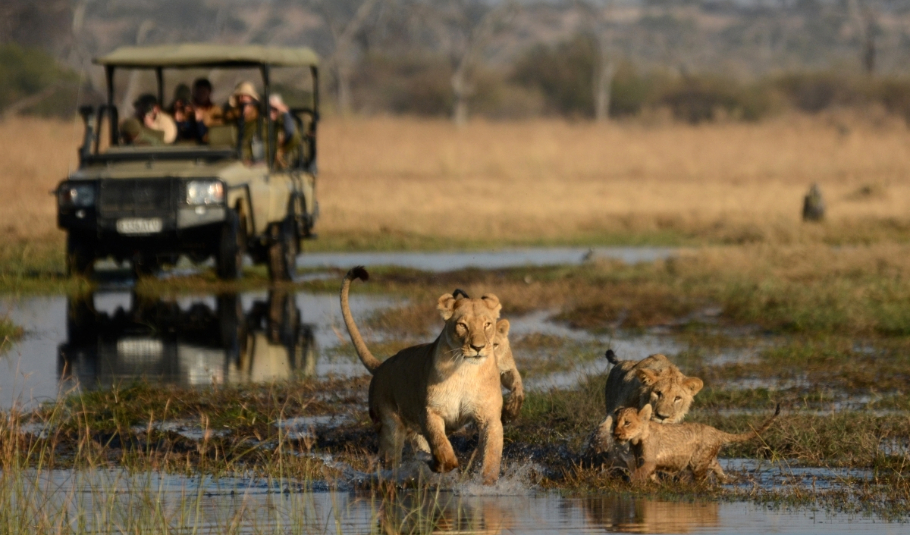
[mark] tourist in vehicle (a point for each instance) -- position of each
(244, 106)
(288, 142)
(188, 129)
(206, 111)
(149, 113)
(132, 132)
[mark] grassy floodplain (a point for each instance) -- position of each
(394, 183)
(818, 310)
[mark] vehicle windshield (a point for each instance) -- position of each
(258, 114)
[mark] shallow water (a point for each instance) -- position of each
(114, 338)
(100, 499)
(448, 261)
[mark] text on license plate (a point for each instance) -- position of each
(138, 226)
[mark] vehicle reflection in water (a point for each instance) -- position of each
(622, 514)
(199, 344)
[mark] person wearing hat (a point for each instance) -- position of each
(149, 113)
(289, 139)
(135, 133)
(244, 108)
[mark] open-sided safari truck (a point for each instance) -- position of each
(151, 204)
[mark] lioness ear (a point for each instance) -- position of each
(645, 412)
(446, 306)
(694, 384)
(502, 327)
(492, 303)
(647, 377)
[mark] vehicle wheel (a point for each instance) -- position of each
(231, 325)
(145, 265)
(283, 251)
(80, 256)
(229, 259)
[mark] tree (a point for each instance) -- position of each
(345, 21)
(599, 14)
(463, 29)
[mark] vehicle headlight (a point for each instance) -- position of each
(81, 195)
(204, 192)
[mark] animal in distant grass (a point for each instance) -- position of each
(508, 371)
(675, 447)
(653, 380)
(436, 388)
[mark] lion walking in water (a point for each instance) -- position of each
(436, 388)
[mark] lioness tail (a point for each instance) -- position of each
(363, 351)
(611, 356)
(749, 435)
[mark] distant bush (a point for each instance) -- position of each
(696, 99)
(414, 84)
(27, 72)
(562, 73)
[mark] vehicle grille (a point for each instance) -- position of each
(138, 196)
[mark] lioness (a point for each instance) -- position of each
(653, 380)
(438, 387)
(508, 372)
(675, 447)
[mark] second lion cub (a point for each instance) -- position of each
(675, 447)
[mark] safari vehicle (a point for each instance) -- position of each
(151, 204)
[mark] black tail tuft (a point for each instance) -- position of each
(611, 356)
(777, 410)
(359, 272)
(460, 292)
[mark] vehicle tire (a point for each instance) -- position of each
(229, 258)
(145, 265)
(232, 326)
(283, 251)
(80, 256)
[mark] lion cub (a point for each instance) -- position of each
(653, 380)
(675, 447)
(436, 388)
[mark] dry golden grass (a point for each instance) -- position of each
(550, 180)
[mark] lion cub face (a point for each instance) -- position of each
(632, 424)
(470, 324)
(669, 392)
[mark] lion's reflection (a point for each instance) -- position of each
(196, 344)
(624, 514)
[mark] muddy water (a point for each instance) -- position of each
(99, 499)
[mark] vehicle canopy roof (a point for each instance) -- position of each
(208, 55)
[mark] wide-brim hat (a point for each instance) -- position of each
(275, 101)
(243, 88)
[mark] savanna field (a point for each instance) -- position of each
(763, 307)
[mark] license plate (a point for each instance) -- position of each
(138, 226)
(139, 347)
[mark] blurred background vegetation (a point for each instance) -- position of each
(692, 60)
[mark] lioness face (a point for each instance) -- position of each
(670, 394)
(470, 324)
(631, 423)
